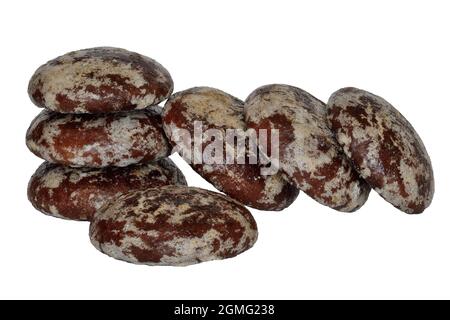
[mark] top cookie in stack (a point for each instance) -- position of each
(99, 80)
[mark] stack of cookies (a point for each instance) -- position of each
(100, 133)
(106, 143)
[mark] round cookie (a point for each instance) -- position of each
(384, 147)
(308, 152)
(77, 193)
(98, 140)
(100, 79)
(173, 225)
(221, 111)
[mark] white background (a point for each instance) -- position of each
(399, 50)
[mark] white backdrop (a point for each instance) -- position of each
(399, 50)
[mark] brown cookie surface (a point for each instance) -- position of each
(102, 79)
(173, 225)
(309, 155)
(384, 147)
(98, 140)
(77, 193)
(220, 111)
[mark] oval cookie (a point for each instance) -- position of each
(308, 153)
(98, 140)
(220, 111)
(77, 193)
(100, 79)
(173, 225)
(384, 147)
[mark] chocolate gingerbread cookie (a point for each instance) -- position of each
(220, 111)
(98, 140)
(384, 147)
(77, 193)
(173, 225)
(102, 79)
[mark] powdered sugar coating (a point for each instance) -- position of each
(98, 140)
(384, 147)
(309, 153)
(77, 193)
(173, 225)
(102, 79)
(219, 110)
